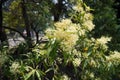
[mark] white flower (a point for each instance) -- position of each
(63, 24)
(73, 28)
(49, 33)
(81, 32)
(78, 8)
(91, 75)
(114, 56)
(88, 16)
(103, 40)
(69, 42)
(65, 77)
(14, 67)
(88, 25)
(76, 62)
(88, 8)
(66, 32)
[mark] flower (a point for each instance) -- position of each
(49, 33)
(81, 32)
(65, 77)
(78, 8)
(66, 32)
(63, 24)
(88, 16)
(76, 62)
(88, 25)
(88, 8)
(69, 42)
(114, 56)
(103, 40)
(14, 67)
(91, 75)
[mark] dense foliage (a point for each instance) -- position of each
(71, 52)
(106, 20)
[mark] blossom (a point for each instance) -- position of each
(63, 24)
(114, 56)
(91, 75)
(49, 33)
(88, 25)
(103, 40)
(73, 28)
(65, 77)
(78, 8)
(14, 67)
(69, 42)
(88, 8)
(76, 62)
(88, 16)
(66, 32)
(81, 32)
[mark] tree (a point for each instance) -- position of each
(71, 53)
(3, 36)
(29, 15)
(105, 19)
(27, 23)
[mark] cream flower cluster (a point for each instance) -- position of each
(76, 62)
(114, 57)
(88, 21)
(103, 40)
(85, 16)
(64, 77)
(88, 25)
(66, 32)
(14, 67)
(78, 8)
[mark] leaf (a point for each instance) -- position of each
(48, 70)
(27, 76)
(53, 49)
(38, 74)
(85, 64)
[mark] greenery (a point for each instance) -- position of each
(78, 43)
(105, 20)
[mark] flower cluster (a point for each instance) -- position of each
(66, 32)
(88, 25)
(78, 8)
(76, 62)
(114, 57)
(64, 77)
(85, 17)
(14, 67)
(103, 40)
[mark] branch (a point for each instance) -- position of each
(15, 30)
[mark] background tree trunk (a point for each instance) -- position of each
(27, 23)
(3, 36)
(58, 8)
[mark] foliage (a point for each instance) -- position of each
(13, 17)
(105, 20)
(70, 54)
(38, 13)
(3, 55)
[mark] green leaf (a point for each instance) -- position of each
(27, 76)
(85, 64)
(38, 74)
(48, 70)
(53, 49)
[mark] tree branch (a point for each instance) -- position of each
(15, 30)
